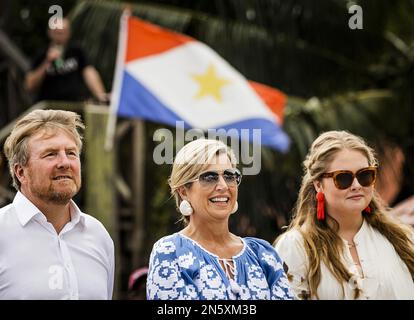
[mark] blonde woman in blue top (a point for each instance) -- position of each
(205, 260)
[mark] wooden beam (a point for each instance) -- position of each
(99, 168)
(13, 53)
(99, 175)
(138, 192)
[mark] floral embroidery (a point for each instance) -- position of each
(257, 283)
(196, 274)
(166, 247)
(271, 261)
(210, 283)
(168, 280)
(186, 260)
(281, 289)
(244, 293)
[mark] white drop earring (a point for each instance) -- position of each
(236, 206)
(185, 208)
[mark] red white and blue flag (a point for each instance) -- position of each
(165, 77)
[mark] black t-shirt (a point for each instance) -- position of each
(63, 79)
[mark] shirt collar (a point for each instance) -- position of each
(362, 230)
(76, 215)
(26, 210)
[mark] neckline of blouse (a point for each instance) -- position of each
(212, 254)
(357, 236)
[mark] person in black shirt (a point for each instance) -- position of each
(61, 71)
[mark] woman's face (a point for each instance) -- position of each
(213, 201)
(352, 200)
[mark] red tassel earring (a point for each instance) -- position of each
(368, 210)
(320, 208)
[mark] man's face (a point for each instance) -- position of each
(60, 36)
(52, 173)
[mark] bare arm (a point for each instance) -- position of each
(94, 82)
(35, 77)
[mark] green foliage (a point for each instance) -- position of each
(348, 79)
(335, 78)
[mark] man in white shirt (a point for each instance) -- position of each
(49, 249)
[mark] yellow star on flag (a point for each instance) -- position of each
(210, 83)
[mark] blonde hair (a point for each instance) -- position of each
(16, 145)
(321, 241)
(193, 159)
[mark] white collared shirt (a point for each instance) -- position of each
(38, 263)
(385, 275)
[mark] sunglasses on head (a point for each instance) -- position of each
(343, 179)
(232, 177)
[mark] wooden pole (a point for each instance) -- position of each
(99, 167)
(100, 172)
(138, 191)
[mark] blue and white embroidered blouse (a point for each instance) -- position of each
(181, 269)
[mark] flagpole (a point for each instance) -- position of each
(117, 82)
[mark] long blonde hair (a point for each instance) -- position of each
(321, 241)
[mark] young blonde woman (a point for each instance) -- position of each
(342, 243)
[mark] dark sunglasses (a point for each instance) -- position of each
(232, 177)
(343, 179)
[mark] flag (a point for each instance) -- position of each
(165, 77)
